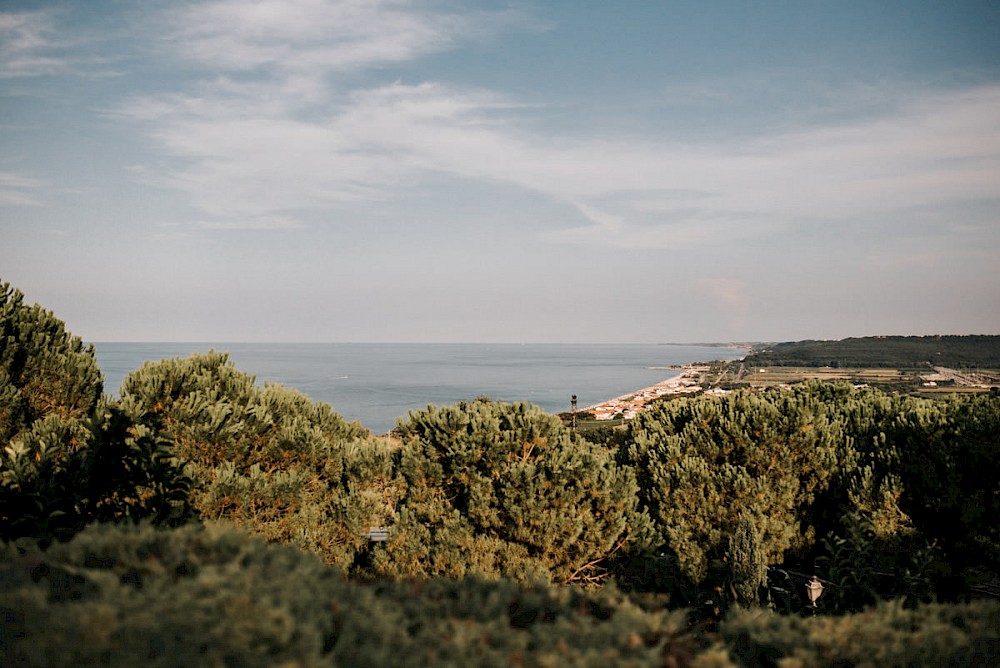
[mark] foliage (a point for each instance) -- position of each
(885, 496)
(865, 566)
(44, 370)
(185, 597)
(212, 597)
(921, 500)
(706, 465)
(887, 635)
(948, 462)
(68, 456)
(504, 489)
(59, 476)
(610, 434)
(268, 459)
(749, 568)
(884, 352)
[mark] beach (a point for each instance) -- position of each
(378, 383)
(629, 405)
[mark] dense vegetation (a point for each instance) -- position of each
(885, 496)
(214, 597)
(69, 456)
(203, 519)
(504, 489)
(895, 352)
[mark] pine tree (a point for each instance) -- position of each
(707, 463)
(747, 563)
(68, 455)
(44, 370)
(268, 459)
(505, 489)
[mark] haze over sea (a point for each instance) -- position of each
(375, 383)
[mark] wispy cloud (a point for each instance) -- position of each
(306, 35)
(54, 41)
(244, 162)
(259, 223)
(28, 46)
(18, 190)
(274, 133)
(271, 133)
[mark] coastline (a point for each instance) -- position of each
(385, 382)
(629, 405)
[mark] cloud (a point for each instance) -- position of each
(15, 190)
(259, 223)
(247, 160)
(27, 42)
(57, 41)
(283, 128)
(268, 134)
(320, 35)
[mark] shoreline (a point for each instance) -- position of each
(629, 405)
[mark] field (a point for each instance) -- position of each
(771, 376)
(720, 377)
(925, 382)
(916, 365)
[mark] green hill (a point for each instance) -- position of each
(900, 352)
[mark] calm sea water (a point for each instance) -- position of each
(379, 382)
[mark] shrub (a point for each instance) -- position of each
(707, 464)
(268, 458)
(915, 516)
(887, 635)
(211, 596)
(505, 489)
(44, 370)
(67, 456)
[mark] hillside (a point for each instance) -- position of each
(898, 352)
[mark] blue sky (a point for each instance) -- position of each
(383, 170)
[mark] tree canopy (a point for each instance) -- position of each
(68, 455)
(504, 489)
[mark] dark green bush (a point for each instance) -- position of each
(44, 370)
(916, 516)
(67, 456)
(887, 635)
(505, 489)
(268, 459)
(211, 596)
(183, 597)
(883, 496)
(707, 465)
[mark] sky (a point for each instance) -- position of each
(533, 171)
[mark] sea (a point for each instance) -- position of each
(378, 383)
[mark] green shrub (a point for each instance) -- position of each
(882, 496)
(707, 464)
(67, 456)
(268, 459)
(505, 489)
(44, 370)
(185, 597)
(948, 464)
(915, 515)
(887, 635)
(211, 596)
